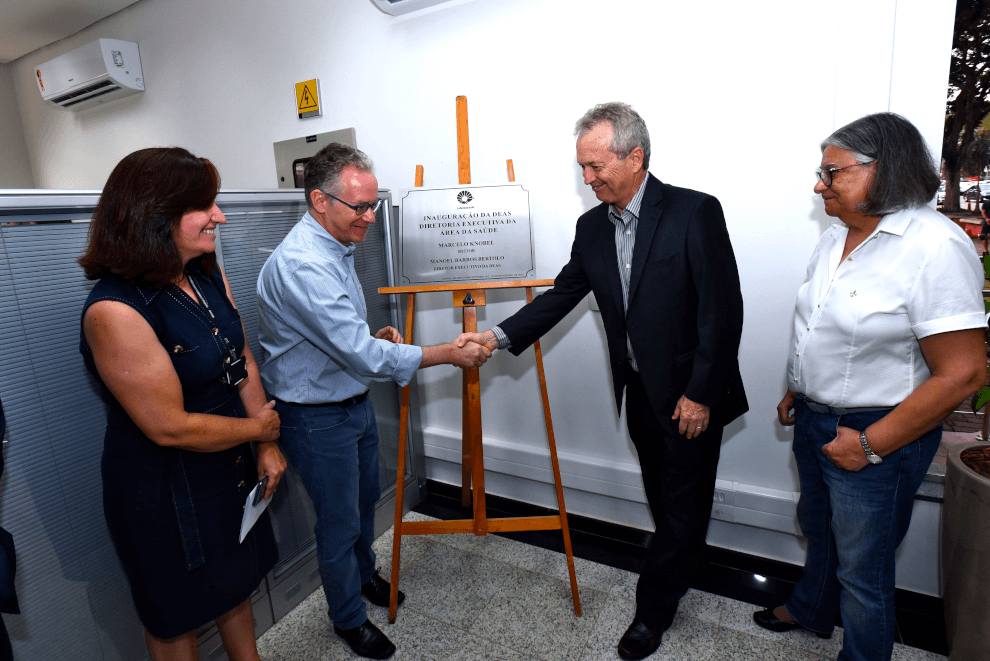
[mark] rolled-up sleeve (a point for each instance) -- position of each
(948, 292)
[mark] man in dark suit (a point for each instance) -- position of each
(659, 261)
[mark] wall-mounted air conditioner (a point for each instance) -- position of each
(397, 7)
(100, 71)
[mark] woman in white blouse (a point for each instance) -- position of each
(888, 340)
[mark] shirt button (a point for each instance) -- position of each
(628, 231)
(809, 327)
(795, 379)
(798, 353)
(627, 266)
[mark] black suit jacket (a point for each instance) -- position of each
(685, 307)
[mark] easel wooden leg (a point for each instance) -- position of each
(556, 470)
(467, 447)
(400, 475)
(477, 454)
(473, 469)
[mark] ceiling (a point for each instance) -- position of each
(27, 25)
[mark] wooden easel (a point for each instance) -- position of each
(469, 296)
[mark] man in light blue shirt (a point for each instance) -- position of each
(320, 358)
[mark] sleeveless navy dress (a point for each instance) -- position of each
(175, 515)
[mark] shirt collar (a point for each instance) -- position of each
(634, 204)
(325, 238)
(897, 222)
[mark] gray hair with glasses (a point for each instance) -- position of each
(323, 170)
(905, 174)
(628, 128)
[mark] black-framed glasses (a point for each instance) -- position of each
(359, 209)
(825, 174)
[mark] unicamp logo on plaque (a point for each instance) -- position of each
(465, 233)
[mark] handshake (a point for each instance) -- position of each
(468, 351)
(471, 350)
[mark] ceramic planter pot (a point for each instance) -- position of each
(966, 557)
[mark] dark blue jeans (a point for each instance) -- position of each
(335, 449)
(854, 522)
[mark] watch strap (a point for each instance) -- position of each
(871, 456)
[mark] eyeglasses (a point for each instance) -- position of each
(359, 209)
(825, 174)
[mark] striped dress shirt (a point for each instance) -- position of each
(626, 224)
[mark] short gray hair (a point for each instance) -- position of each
(628, 128)
(323, 170)
(905, 174)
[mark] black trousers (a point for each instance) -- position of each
(679, 478)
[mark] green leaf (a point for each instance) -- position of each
(982, 397)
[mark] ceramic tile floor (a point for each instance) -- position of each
(476, 598)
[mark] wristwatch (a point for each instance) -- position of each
(871, 456)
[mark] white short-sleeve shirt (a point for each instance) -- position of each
(857, 323)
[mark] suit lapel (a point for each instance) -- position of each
(649, 219)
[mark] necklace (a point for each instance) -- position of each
(216, 331)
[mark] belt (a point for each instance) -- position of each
(356, 399)
(838, 410)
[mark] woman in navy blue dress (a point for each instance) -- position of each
(161, 334)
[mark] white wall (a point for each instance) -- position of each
(737, 97)
(15, 169)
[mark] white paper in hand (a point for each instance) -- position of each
(252, 511)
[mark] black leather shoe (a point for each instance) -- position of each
(367, 641)
(639, 641)
(770, 622)
(376, 590)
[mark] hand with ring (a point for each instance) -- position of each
(692, 417)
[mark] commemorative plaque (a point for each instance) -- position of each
(465, 233)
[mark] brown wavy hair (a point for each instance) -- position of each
(132, 234)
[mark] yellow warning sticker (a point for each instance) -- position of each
(308, 98)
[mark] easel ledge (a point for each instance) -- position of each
(461, 286)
